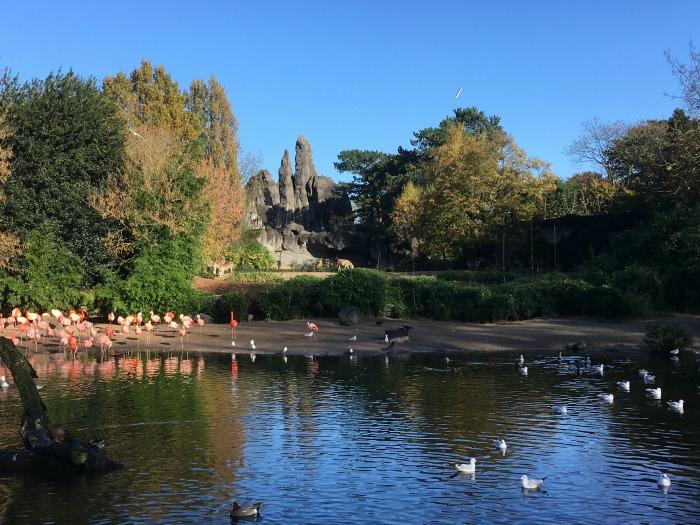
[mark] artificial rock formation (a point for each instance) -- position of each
(302, 218)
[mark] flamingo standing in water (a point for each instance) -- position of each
(200, 323)
(182, 331)
(149, 328)
(73, 344)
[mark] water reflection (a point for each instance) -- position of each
(372, 440)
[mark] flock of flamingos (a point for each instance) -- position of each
(73, 330)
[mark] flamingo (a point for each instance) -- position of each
(149, 328)
(169, 316)
(200, 323)
(313, 327)
(88, 343)
(155, 319)
(73, 344)
(110, 317)
(233, 324)
(104, 341)
(34, 335)
(109, 331)
(182, 331)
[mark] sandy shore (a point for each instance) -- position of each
(272, 336)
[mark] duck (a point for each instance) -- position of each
(649, 378)
(466, 468)
(664, 481)
(244, 511)
(654, 393)
(624, 386)
(676, 405)
(531, 483)
(608, 398)
(501, 445)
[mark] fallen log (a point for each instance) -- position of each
(47, 447)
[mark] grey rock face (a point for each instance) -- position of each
(304, 217)
(287, 199)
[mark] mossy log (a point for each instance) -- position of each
(43, 451)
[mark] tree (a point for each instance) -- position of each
(593, 146)
(66, 139)
(689, 77)
(479, 185)
(219, 129)
(226, 201)
(150, 96)
(471, 120)
(406, 216)
(660, 160)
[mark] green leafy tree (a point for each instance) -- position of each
(66, 139)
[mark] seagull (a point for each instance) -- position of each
(252, 344)
(608, 398)
(531, 484)
(560, 410)
(521, 361)
(643, 372)
(501, 445)
(664, 481)
(649, 378)
(386, 338)
(3, 382)
(244, 511)
(676, 405)
(252, 357)
(654, 393)
(310, 334)
(674, 351)
(624, 386)
(598, 369)
(284, 350)
(522, 370)
(459, 92)
(353, 338)
(134, 133)
(466, 468)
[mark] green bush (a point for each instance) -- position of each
(475, 277)
(236, 302)
(609, 303)
(292, 299)
(250, 255)
(639, 280)
(365, 289)
(664, 337)
(682, 288)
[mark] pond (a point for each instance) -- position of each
(364, 440)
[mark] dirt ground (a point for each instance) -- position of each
(333, 338)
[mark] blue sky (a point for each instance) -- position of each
(366, 74)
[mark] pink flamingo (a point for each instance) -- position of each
(313, 327)
(87, 343)
(149, 328)
(182, 333)
(110, 317)
(200, 323)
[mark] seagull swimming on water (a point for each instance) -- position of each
(466, 468)
(664, 481)
(676, 405)
(608, 398)
(675, 351)
(624, 386)
(531, 483)
(501, 445)
(353, 338)
(654, 393)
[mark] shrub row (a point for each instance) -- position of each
(439, 299)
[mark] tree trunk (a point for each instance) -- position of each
(42, 451)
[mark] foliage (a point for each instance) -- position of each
(586, 193)
(50, 275)
(682, 287)
(362, 288)
(295, 298)
(476, 277)
(664, 337)
(237, 302)
(66, 139)
(249, 255)
(639, 280)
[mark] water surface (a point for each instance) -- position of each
(338, 441)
